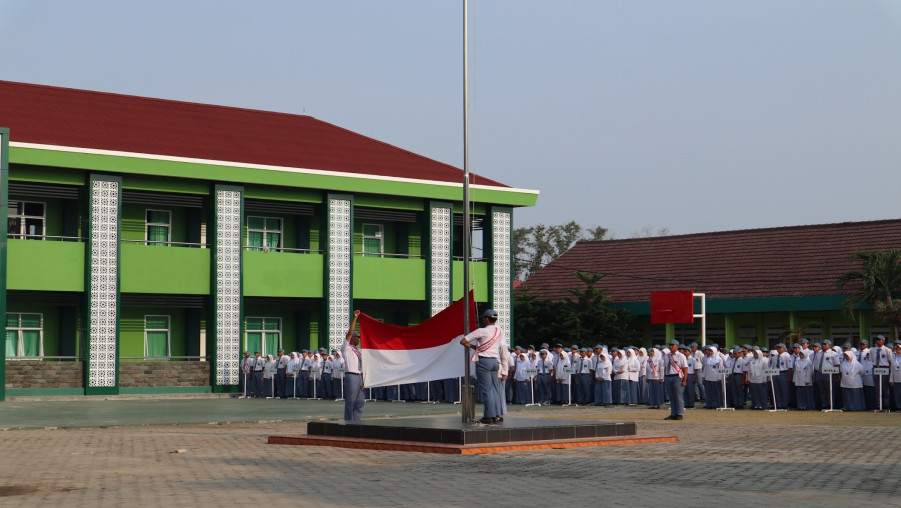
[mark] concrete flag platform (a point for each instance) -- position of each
(449, 435)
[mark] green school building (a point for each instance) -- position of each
(150, 242)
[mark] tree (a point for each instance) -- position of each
(585, 317)
(538, 245)
(876, 281)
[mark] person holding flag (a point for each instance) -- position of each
(487, 342)
(353, 374)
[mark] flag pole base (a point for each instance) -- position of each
(832, 411)
(725, 409)
(776, 410)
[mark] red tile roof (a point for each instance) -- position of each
(786, 261)
(96, 120)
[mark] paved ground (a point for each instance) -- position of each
(733, 459)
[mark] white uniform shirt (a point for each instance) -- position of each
(488, 341)
(352, 357)
(880, 356)
(603, 368)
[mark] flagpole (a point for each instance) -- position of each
(468, 404)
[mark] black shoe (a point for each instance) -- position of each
(677, 417)
(499, 419)
(488, 420)
(670, 417)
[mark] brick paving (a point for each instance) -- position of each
(730, 459)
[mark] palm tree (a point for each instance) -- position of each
(879, 277)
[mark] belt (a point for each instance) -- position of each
(354, 373)
(671, 375)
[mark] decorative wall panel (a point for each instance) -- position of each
(440, 259)
(340, 250)
(228, 286)
(104, 283)
(501, 237)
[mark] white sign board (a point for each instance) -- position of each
(770, 372)
(880, 371)
(830, 370)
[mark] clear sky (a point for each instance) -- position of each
(692, 115)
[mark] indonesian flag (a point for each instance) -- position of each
(426, 352)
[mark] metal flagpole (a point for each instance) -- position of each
(468, 404)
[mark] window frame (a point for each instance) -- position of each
(23, 217)
(20, 343)
(380, 236)
(168, 331)
(265, 231)
(263, 333)
(148, 224)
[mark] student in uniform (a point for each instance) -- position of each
(245, 374)
(758, 382)
(256, 379)
(620, 377)
(654, 378)
(782, 361)
(675, 380)
(737, 378)
(602, 387)
(852, 384)
(802, 378)
(281, 366)
(642, 373)
(693, 368)
(545, 366)
(895, 375)
(489, 344)
(327, 367)
(881, 356)
(561, 377)
(269, 369)
(632, 368)
(712, 379)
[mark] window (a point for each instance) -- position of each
(264, 233)
(263, 334)
(156, 336)
(159, 227)
(24, 335)
(373, 240)
(25, 220)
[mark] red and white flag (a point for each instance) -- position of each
(428, 351)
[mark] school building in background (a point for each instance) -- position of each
(150, 242)
(758, 282)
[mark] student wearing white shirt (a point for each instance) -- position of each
(543, 385)
(603, 384)
(487, 343)
(895, 374)
(269, 372)
(675, 380)
(353, 379)
(802, 377)
(620, 377)
(852, 384)
(757, 380)
(712, 379)
(632, 368)
(827, 358)
(642, 371)
(654, 378)
(561, 378)
(881, 356)
(694, 367)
